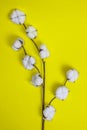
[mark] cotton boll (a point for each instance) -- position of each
(44, 53)
(18, 16)
(62, 92)
(28, 62)
(72, 75)
(37, 80)
(17, 44)
(49, 113)
(31, 32)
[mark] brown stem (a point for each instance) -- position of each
(37, 69)
(51, 100)
(24, 26)
(43, 86)
(35, 44)
(24, 50)
(65, 82)
(43, 95)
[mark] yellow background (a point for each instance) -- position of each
(62, 26)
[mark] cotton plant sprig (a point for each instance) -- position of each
(27, 61)
(48, 112)
(61, 94)
(18, 17)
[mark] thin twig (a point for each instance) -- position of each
(24, 50)
(35, 44)
(24, 26)
(51, 100)
(65, 82)
(55, 96)
(37, 69)
(43, 95)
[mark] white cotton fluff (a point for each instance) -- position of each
(17, 16)
(37, 80)
(31, 32)
(28, 62)
(72, 75)
(49, 113)
(62, 92)
(44, 53)
(17, 44)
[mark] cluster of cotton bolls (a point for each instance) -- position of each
(18, 17)
(28, 62)
(61, 93)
